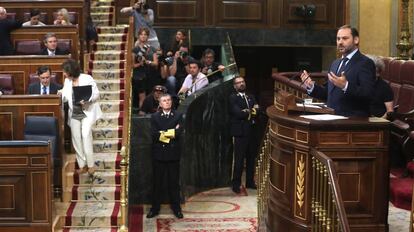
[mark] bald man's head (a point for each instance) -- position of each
(3, 13)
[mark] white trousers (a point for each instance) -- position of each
(82, 141)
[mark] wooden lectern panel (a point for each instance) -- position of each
(359, 149)
(25, 186)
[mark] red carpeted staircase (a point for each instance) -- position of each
(92, 202)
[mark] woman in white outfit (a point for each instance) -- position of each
(81, 116)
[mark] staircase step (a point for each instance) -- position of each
(92, 193)
(112, 37)
(92, 214)
(108, 145)
(100, 16)
(110, 85)
(102, 9)
(115, 30)
(102, 22)
(104, 3)
(105, 46)
(103, 161)
(108, 55)
(103, 133)
(106, 64)
(110, 120)
(107, 74)
(105, 178)
(111, 95)
(112, 106)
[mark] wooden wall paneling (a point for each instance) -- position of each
(327, 14)
(274, 9)
(246, 13)
(179, 13)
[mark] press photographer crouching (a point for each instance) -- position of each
(145, 66)
(151, 103)
(179, 68)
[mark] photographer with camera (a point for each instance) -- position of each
(180, 68)
(144, 17)
(209, 67)
(145, 63)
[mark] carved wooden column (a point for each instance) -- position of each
(405, 44)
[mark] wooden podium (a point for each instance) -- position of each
(359, 149)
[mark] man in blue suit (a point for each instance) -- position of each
(351, 79)
(44, 86)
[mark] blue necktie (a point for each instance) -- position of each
(342, 67)
(44, 90)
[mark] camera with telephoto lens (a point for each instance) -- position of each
(142, 7)
(183, 55)
(141, 53)
(166, 60)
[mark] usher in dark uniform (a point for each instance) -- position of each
(166, 158)
(242, 131)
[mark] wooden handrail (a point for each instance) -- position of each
(332, 190)
(262, 174)
(126, 124)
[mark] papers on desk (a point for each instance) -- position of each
(311, 105)
(323, 117)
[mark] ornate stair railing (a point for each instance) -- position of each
(125, 151)
(262, 174)
(328, 212)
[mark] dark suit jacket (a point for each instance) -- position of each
(355, 101)
(57, 52)
(6, 26)
(34, 88)
(240, 123)
(166, 151)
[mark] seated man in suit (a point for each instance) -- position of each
(51, 46)
(351, 79)
(44, 86)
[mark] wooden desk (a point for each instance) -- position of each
(22, 66)
(13, 111)
(25, 186)
(38, 33)
(359, 149)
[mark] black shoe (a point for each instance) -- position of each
(236, 189)
(251, 186)
(178, 214)
(152, 213)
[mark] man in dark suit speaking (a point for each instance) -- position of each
(351, 78)
(242, 118)
(44, 86)
(166, 128)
